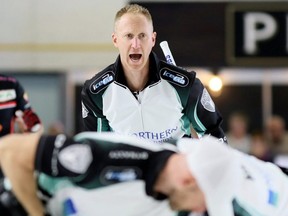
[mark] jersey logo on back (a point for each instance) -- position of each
(113, 174)
(102, 82)
(174, 77)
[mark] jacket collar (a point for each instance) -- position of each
(154, 69)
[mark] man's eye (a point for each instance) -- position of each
(141, 36)
(129, 36)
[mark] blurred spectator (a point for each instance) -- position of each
(277, 137)
(276, 134)
(237, 134)
(56, 128)
(15, 108)
(260, 148)
(16, 115)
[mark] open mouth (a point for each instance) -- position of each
(135, 57)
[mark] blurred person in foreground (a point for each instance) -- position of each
(210, 176)
(16, 116)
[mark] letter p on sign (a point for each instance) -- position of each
(257, 27)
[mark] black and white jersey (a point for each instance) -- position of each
(92, 160)
(12, 98)
(172, 101)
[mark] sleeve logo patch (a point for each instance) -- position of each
(6, 95)
(174, 77)
(102, 82)
(84, 111)
(207, 101)
(76, 158)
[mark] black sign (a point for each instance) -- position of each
(194, 31)
(257, 34)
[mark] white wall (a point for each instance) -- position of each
(57, 34)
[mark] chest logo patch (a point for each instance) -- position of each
(102, 82)
(174, 77)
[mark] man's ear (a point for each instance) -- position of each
(114, 39)
(154, 38)
(189, 181)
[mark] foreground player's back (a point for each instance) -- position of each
(123, 199)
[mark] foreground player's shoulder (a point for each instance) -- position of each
(176, 75)
(12, 88)
(8, 80)
(101, 80)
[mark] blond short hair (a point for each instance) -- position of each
(134, 9)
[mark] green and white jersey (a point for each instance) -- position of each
(172, 101)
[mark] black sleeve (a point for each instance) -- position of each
(203, 113)
(92, 113)
(106, 161)
(29, 116)
(21, 97)
(47, 156)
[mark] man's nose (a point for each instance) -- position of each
(135, 42)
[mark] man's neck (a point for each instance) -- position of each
(166, 179)
(137, 80)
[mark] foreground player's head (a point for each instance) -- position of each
(134, 36)
(177, 182)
